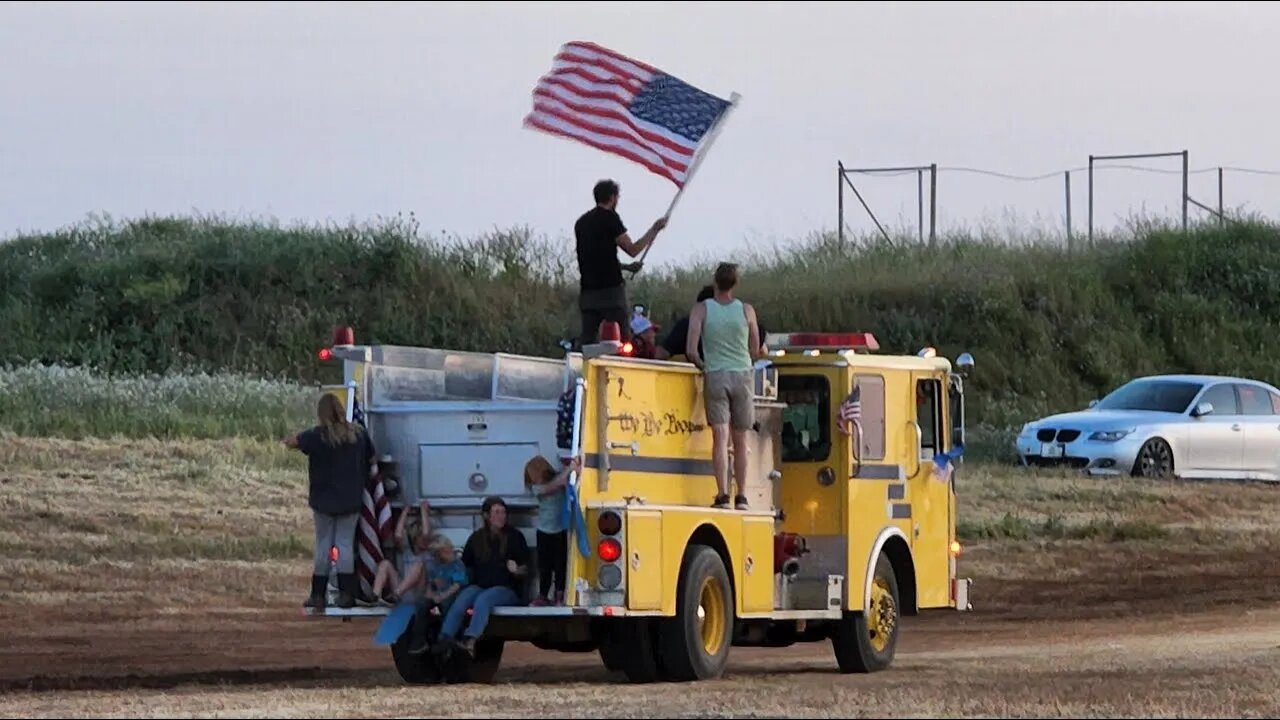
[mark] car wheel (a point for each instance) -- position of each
(1155, 460)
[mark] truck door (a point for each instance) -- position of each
(929, 491)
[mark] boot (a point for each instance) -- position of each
(319, 584)
(347, 590)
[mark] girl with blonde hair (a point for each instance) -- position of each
(340, 458)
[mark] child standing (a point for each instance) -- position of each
(553, 545)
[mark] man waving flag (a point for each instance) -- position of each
(620, 105)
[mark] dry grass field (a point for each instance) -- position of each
(149, 578)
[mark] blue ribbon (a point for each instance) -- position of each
(572, 516)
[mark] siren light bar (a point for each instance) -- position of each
(857, 342)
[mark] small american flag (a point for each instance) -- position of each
(850, 409)
(620, 105)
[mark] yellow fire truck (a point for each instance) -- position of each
(850, 484)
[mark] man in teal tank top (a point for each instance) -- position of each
(730, 340)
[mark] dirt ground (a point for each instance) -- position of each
(102, 616)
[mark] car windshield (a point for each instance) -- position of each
(1157, 395)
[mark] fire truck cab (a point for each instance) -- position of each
(852, 519)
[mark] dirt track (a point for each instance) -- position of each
(1202, 653)
(169, 585)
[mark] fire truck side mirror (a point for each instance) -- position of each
(964, 363)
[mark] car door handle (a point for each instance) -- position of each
(1236, 426)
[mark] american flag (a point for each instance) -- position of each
(374, 527)
(850, 409)
(623, 106)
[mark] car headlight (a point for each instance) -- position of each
(1110, 435)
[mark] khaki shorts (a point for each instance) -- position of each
(728, 399)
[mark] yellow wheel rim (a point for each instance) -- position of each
(712, 616)
(881, 616)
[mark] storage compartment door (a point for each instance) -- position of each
(476, 470)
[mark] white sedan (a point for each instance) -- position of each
(1191, 426)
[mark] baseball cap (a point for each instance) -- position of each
(640, 323)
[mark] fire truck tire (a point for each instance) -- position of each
(479, 669)
(634, 651)
(696, 642)
(417, 669)
(865, 642)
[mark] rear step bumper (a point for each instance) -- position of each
(960, 593)
(507, 611)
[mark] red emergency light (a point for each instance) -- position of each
(864, 341)
(325, 354)
(344, 335)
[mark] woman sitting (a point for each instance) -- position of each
(497, 561)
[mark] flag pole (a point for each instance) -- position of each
(697, 161)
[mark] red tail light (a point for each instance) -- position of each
(325, 354)
(609, 550)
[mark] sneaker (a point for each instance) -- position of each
(722, 501)
(740, 502)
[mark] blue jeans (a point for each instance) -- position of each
(483, 601)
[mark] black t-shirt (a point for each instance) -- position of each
(491, 571)
(676, 340)
(597, 234)
(337, 474)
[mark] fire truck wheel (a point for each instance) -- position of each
(695, 643)
(865, 641)
(416, 669)
(633, 649)
(478, 669)
(484, 666)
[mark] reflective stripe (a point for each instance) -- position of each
(659, 465)
(878, 472)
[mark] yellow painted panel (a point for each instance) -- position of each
(678, 527)
(931, 497)
(868, 513)
(644, 559)
(757, 567)
(654, 442)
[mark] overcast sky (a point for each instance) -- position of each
(332, 112)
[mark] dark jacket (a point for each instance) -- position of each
(338, 474)
(490, 570)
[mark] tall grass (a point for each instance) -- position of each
(76, 402)
(1049, 329)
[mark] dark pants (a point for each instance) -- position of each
(598, 305)
(553, 551)
(591, 320)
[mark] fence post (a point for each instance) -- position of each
(1185, 191)
(1067, 176)
(933, 204)
(840, 201)
(1221, 218)
(920, 205)
(1090, 201)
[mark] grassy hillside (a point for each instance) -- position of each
(1048, 330)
